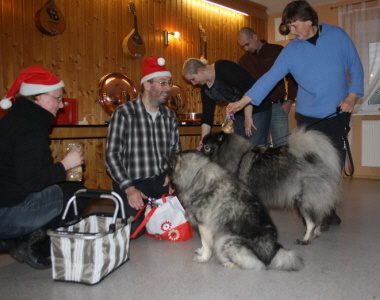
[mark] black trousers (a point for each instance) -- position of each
(151, 187)
(334, 128)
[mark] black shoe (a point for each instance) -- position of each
(29, 248)
(24, 252)
(333, 219)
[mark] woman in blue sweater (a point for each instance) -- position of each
(325, 63)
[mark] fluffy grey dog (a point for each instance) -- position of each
(305, 174)
(231, 220)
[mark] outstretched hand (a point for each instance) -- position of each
(234, 107)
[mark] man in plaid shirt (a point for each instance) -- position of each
(140, 133)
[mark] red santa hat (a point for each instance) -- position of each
(154, 67)
(33, 80)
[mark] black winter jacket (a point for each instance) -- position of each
(26, 162)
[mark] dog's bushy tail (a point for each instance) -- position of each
(303, 142)
(286, 260)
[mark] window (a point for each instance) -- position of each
(374, 60)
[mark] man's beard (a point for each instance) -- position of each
(162, 98)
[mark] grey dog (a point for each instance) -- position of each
(231, 220)
(305, 174)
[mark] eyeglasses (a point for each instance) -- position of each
(164, 83)
(59, 99)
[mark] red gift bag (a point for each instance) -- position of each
(165, 220)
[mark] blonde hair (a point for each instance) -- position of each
(192, 64)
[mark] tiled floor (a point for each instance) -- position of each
(344, 263)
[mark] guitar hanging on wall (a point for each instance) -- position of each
(133, 43)
(202, 42)
(49, 19)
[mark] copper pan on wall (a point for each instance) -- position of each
(115, 89)
(177, 100)
(178, 103)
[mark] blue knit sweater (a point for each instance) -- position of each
(320, 71)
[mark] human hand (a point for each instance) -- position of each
(200, 144)
(248, 125)
(73, 158)
(233, 107)
(287, 105)
(348, 104)
(167, 182)
(135, 197)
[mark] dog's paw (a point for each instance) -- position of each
(302, 242)
(229, 264)
(199, 251)
(200, 259)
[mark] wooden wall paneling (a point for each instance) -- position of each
(81, 24)
(194, 98)
(189, 142)
(95, 175)
(96, 35)
(38, 46)
(35, 49)
(176, 43)
(112, 45)
(74, 50)
(152, 11)
(228, 39)
(9, 69)
(89, 163)
(130, 65)
(90, 47)
(181, 28)
(28, 32)
(101, 58)
(160, 19)
(18, 45)
(104, 180)
(118, 36)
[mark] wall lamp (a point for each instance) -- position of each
(176, 34)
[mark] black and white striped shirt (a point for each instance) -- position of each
(136, 144)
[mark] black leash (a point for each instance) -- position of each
(347, 129)
(349, 155)
(307, 127)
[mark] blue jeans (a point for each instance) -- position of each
(279, 126)
(34, 212)
(262, 122)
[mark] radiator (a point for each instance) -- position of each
(371, 143)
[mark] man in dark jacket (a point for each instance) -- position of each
(30, 196)
(258, 59)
